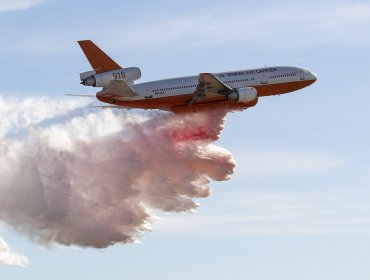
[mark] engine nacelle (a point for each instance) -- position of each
(102, 79)
(245, 95)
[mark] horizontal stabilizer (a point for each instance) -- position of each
(98, 59)
(110, 107)
(121, 88)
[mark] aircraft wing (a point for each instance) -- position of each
(212, 83)
(209, 84)
(120, 88)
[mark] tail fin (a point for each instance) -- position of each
(98, 59)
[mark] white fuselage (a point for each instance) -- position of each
(179, 92)
(234, 79)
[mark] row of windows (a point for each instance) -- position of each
(193, 86)
(172, 88)
(284, 75)
(243, 80)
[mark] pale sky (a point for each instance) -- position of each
(298, 205)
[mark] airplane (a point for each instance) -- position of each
(236, 90)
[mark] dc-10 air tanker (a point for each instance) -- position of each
(235, 90)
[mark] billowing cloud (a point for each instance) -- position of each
(93, 179)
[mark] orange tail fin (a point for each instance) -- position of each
(98, 59)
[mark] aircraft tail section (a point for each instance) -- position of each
(98, 59)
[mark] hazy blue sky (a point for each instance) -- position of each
(298, 205)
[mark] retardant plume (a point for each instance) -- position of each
(73, 176)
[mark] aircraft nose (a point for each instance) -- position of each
(312, 76)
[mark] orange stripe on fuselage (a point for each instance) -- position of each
(281, 88)
(183, 100)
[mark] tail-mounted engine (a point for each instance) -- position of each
(93, 79)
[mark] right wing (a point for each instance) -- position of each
(120, 88)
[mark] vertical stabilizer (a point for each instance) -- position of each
(98, 59)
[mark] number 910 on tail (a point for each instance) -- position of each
(91, 78)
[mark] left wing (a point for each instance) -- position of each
(209, 84)
(213, 84)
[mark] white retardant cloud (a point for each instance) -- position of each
(93, 178)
